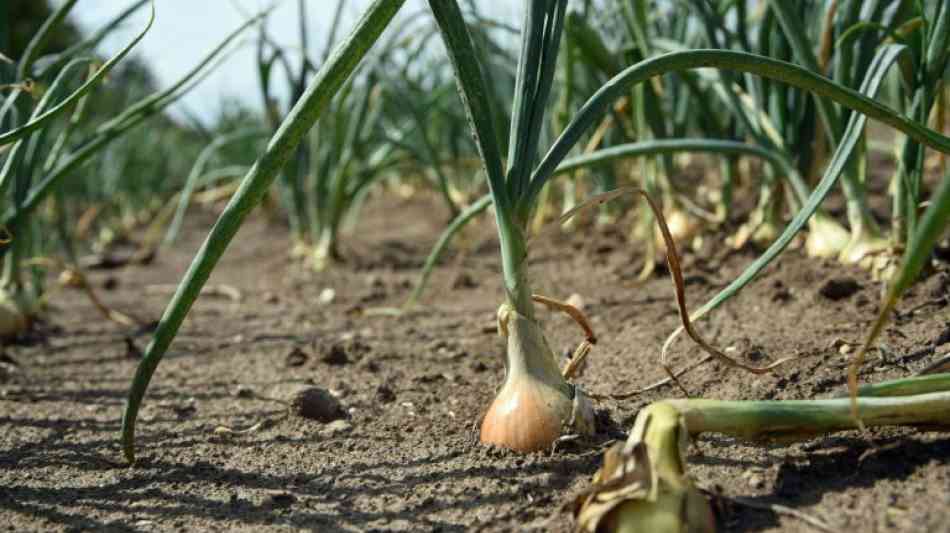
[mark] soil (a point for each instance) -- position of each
(413, 387)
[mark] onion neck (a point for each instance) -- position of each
(325, 251)
(528, 350)
(514, 261)
(529, 356)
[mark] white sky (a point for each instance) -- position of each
(186, 30)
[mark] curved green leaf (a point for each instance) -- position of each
(37, 122)
(598, 104)
(885, 57)
(317, 97)
(196, 171)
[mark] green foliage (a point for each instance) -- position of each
(313, 102)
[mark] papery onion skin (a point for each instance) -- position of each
(826, 238)
(535, 405)
(683, 227)
(687, 512)
(668, 501)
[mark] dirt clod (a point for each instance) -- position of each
(336, 355)
(839, 288)
(317, 404)
(296, 357)
(385, 394)
(281, 499)
(243, 391)
(131, 350)
(464, 281)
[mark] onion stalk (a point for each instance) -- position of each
(336, 163)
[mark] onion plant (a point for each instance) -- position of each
(536, 401)
(317, 97)
(335, 165)
(44, 89)
(80, 141)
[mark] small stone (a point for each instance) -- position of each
(839, 288)
(326, 296)
(337, 426)
(845, 349)
(317, 404)
(336, 355)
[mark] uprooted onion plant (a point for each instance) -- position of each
(643, 485)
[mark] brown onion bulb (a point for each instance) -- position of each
(535, 405)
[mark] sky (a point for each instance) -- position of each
(186, 30)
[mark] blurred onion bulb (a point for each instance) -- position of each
(536, 405)
(13, 320)
(643, 487)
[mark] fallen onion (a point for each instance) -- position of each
(643, 486)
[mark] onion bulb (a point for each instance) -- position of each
(536, 405)
(871, 252)
(13, 320)
(826, 238)
(683, 227)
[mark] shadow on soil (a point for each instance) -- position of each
(859, 465)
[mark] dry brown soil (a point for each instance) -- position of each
(414, 386)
